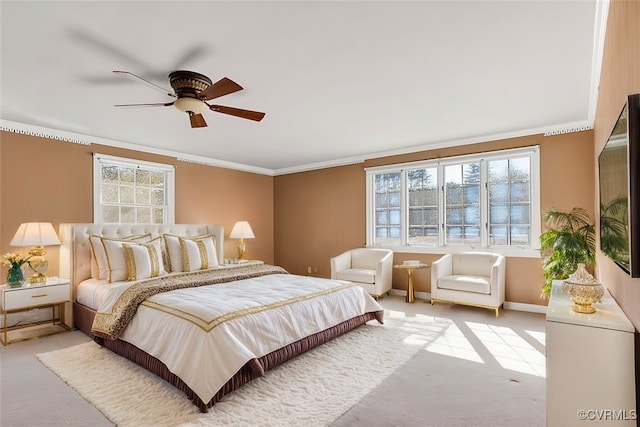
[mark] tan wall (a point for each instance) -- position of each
(319, 214)
(620, 77)
(51, 181)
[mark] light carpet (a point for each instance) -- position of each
(313, 389)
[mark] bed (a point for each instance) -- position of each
(207, 331)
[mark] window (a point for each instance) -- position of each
(132, 191)
(462, 203)
(510, 201)
(423, 205)
(388, 208)
(489, 200)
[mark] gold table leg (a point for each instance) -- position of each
(411, 297)
(4, 329)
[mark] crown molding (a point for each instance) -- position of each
(77, 138)
(43, 132)
(546, 131)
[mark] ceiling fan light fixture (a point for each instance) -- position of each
(190, 104)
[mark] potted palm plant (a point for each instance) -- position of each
(569, 240)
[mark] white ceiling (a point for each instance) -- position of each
(339, 81)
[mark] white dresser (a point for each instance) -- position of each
(590, 364)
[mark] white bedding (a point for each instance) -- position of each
(92, 292)
(226, 327)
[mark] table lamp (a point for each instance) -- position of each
(38, 235)
(241, 230)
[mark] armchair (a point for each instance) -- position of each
(371, 268)
(469, 278)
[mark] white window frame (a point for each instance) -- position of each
(531, 250)
(99, 160)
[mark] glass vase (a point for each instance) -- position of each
(15, 277)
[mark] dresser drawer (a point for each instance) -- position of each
(14, 299)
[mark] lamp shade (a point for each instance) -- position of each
(241, 230)
(35, 234)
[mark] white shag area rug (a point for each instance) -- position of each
(312, 389)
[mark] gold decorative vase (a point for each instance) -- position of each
(583, 289)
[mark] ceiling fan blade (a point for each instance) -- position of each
(153, 85)
(245, 114)
(197, 121)
(190, 56)
(224, 86)
(161, 104)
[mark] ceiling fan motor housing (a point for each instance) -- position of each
(188, 83)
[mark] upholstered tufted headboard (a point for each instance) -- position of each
(75, 251)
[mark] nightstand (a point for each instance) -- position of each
(51, 294)
(238, 263)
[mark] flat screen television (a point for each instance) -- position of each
(619, 187)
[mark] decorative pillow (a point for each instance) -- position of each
(198, 253)
(144, 260)
(116, 260)
(99, 264)
(174, 250)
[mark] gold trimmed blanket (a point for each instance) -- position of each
(112, 323)
(205, 334)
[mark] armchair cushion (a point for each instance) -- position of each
(357, 275)
(477, 284)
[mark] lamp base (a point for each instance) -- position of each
(241, 248)
(39, 264)
(37, 278)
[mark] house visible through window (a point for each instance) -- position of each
(132, 191)
(488, 200)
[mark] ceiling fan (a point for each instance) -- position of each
(192, 91)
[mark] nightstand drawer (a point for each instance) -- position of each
(14, 299)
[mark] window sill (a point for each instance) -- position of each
(513, 252)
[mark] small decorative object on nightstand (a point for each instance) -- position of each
(38, 235)
(241, 230)
(15, 274)
(409, 266)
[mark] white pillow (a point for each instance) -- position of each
(198, 253)
(117, 263)
(144, 260)
(99, 264)
(174, 250)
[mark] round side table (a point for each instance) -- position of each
(411, 297)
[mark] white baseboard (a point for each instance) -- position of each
(531, 308)
(419, 295)
(515, 306)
